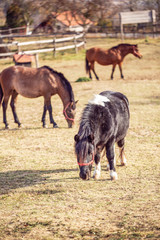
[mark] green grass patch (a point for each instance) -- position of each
(83, 79)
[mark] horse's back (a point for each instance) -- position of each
(7, 76)
(26, 81)
(14, 72)
(118, 108)
(91, 54)
(102, 56)
(116, 95)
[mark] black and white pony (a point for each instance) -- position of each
(104, 122)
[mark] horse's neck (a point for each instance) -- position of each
(63, 94)
(124, 52)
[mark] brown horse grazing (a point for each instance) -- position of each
(114, 56)
(33, 83)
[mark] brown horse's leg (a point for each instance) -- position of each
(51, 116)
(13, 107)
(120, 69)
(92, 67)
(1, 94)
(90, 76)
(4, 105)
(113, 69)
(43, 116)
(88, 68)
(48, 106)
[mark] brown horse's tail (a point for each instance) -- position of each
(87, 65)
(1, 93)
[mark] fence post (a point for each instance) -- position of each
(27, 29)
(75, 44)
(121, 27)
(84, 39)
(36, 60)
(54, 44)
(18, 48)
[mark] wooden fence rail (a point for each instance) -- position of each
(55, 48)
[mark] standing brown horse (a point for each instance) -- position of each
(114, 56)
(33, 83)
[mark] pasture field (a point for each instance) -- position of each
(41, 194)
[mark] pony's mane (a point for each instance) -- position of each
(85, 124)
(85, 130)
(64, 81)
(122, 44)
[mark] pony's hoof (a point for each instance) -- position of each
(55, 126)
(96, 176)
(7, 127)
(45, 126)
(123, 164)
(108, 167)
(113, 175)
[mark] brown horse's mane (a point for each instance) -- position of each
(64, 81)
(122, 44)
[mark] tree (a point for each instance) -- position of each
(134, 5)
(19, 13)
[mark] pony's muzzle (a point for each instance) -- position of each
(70, 124)
(85, 173)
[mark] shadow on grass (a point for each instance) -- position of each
(19, 179)
(32, 128)
(152, 100)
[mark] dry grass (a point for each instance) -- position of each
(41, 195)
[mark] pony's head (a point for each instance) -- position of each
(135, 51)
(85, 151)
(69, 113)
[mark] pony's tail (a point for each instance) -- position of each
(87, 65)
(1, 94)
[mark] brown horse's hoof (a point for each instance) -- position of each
(7, 127)
(20, 126)
(45, 126)
(55, 126)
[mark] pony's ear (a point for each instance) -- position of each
(76, 101)
(91, 138)
(73, 105)
(76, 138)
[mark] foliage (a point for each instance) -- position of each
(83, 79)
(18, 14)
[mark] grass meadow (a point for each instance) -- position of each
(41, 194)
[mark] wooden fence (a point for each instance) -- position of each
(12, 31)
(76, 43)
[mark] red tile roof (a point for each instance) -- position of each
(18, 58)
(67, 19)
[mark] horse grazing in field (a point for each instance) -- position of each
(112, 56)
(104, 122)
(33, 83)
